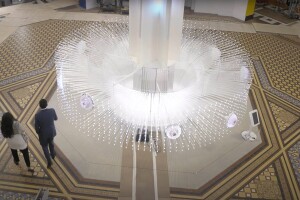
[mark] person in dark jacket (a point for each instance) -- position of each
(45, 128)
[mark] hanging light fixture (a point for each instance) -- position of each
(182, 103)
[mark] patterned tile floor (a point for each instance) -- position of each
(271, 172)
(263, 186)
(20, 196)
(294, 155)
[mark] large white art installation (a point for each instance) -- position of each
(184, 85)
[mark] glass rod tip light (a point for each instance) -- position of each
(86, 102)
(231, 120)
(173, 131)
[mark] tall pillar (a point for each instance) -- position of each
(155, 31)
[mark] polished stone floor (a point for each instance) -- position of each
(29, 35)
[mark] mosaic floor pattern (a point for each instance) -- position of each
(269, 15)
(269, 172)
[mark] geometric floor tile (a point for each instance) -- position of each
(20, 196)
(282, 117)
(280, 58)
(9, 172)
(21, 169)
(294, 155)
(25, 52)
(264, 186)
(23, 95)
(280, 61)
(15, 195)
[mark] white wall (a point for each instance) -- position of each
(233, 8)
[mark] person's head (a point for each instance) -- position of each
(7, 125)
(43, 103)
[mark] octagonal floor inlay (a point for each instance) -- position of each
(26, 63)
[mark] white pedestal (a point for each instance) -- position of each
(249, 135)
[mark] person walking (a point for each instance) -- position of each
(16, 138)
(45, 128)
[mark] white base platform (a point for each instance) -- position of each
(189, 169)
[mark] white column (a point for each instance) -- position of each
(155, 29)
(175, 31)
(134, 26)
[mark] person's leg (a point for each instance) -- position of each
(26, 156)
(47, 155)
(25, 153)
(15, 156)
(51, 147)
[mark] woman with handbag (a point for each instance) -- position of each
(16, 138)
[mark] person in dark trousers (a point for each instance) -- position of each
(45, 128)
(16, 138)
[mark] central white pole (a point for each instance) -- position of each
(134, 172)
(155, 174)
(155, 31)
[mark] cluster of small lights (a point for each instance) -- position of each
(94, 59)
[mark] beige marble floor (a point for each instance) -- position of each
(98, 157)
(281, 29)
(200, 166)
(203, 164)
(19, 15)
(27, 13)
